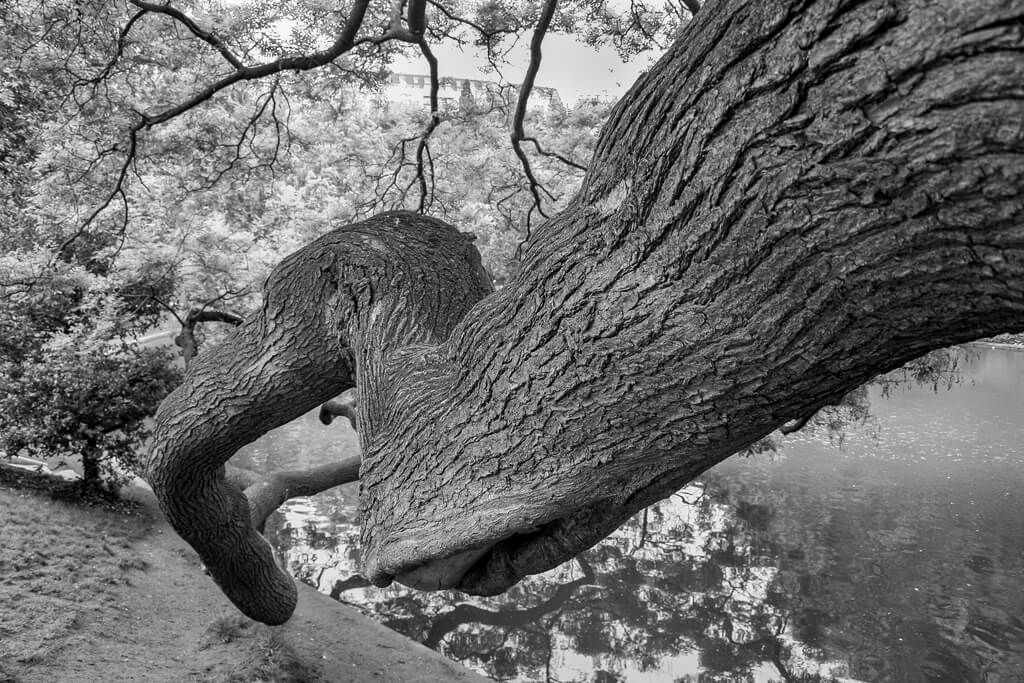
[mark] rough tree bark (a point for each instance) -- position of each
(798, 196)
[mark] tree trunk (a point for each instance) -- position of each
(90, 468)
(798, 196)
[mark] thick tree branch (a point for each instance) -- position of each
(434, 275)
(417, 17)
(267, 492)
(270, 492)
(186, 339)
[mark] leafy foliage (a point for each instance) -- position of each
(72, 385)
(70, 402)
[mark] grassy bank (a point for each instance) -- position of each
(102, 590)
(75, 577)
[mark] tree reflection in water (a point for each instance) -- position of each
(812, 563)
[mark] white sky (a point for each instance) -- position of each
(575, 70)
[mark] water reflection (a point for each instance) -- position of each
(882, 543)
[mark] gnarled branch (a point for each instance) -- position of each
(344, 405)
(186, 339)
(293, 355)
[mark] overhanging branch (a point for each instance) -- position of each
(208, 37)
(345, 41)
(518, 135)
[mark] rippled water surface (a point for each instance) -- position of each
(884, 543)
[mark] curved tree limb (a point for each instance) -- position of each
(186, 339)
(345, 41)
(288, 358)
(267, 492)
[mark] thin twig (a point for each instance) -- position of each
(565, 160)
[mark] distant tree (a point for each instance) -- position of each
(91, 404)
(72, 386)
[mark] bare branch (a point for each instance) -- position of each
(344, 42)
(270, 493)
(186, 339)
(435, 119)
(122, 38)
(247, 138)
(488, 35)
(565, 160)
(118, 189)
(518, 135)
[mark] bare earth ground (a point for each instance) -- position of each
(109, 593)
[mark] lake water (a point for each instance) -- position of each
(889, 547)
